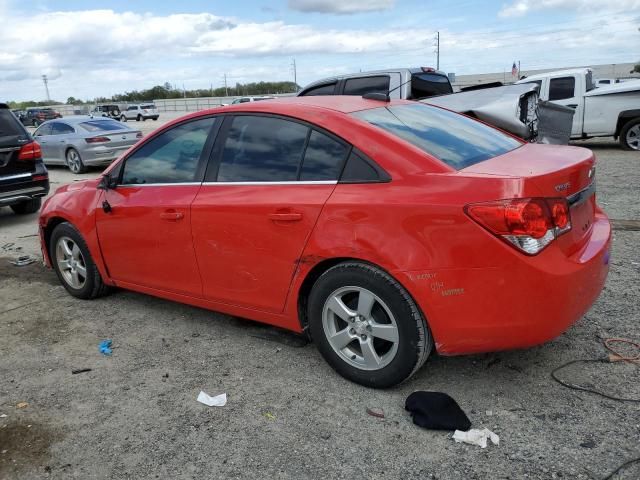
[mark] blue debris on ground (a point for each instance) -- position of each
(105, 347)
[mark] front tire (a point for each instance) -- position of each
(30, 206)
(367, 326)
(630, 135)
(74, 162)
(73, 264)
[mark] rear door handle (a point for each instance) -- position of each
(172, 216)
(285, 217)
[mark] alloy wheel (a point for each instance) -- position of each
(360, 328)
(71, 264)
(633, 137)
(73, 161)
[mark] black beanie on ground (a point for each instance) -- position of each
(436, 411)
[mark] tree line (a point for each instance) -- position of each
(171, 91)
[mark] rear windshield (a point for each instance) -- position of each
(147, 107)
(453, 138)
(9, 125)
(102, 126)
(425, 85)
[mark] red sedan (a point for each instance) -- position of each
(385, 230)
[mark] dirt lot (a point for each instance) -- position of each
(289, 415)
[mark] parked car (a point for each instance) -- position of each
(140, 112)
(250, 99)
(384, 229)
(24, 179)
(611, 111)
(36, 116)
(80, 142)
(106, 110)
(19, 114)
(516, 109)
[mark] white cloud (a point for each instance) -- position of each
(519, 8)
(340, 7)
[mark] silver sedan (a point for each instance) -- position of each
(83, 141)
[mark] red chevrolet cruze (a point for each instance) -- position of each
(384, 229)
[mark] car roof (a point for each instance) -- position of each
(571, 71)
(76, 119)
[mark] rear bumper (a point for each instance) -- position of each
(103, 155)
(512, 306)
(21, 188)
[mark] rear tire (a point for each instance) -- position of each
(630, 135)
(30, 206)
(74, 161)
(138, 118)
(367, 326)
(73, 264)
(123, 118)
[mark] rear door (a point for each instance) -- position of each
(44, 136)
(265, 188)
(60, 132)
(145, 232)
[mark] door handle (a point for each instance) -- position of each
(285, 217)
(172, 216)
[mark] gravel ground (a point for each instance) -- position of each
(289, 415)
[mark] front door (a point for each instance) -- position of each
(265, 189)
(562, 90)
(43, 136)
(145, 229)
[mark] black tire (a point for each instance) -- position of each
(625, 142)
(414, 342)
(155, 118)
(93, 286)
(35, 123)
(74, 161)
(138, 118)
(30, 206)
(115, 113)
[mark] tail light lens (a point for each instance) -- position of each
(97, 139)
(529, 224)
(30, 152)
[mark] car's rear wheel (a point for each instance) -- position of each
(138, 118)
(74, 161)
(30, 206)
(630, 135)
(73, 263)
(367, 326)
(123, 118)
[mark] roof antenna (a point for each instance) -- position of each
(383, 97)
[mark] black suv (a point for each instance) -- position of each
(24, 179)
(35, 116)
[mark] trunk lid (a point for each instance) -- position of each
(122, 138)
(552, 172)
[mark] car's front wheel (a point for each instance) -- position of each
(29, 206)
(73, 263)
(74, 161)
(367, 326)
(630, 135)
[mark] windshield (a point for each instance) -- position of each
(425, 85)
(454, 139)
(103, 125)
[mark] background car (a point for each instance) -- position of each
(36, 116)
(250, 99)
(140, 112)
(79, 142)
(23, 177)
(385, 229)
(107, 110)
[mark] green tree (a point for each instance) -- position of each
(636, 69)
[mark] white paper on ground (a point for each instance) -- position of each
(217, 401)
(476, 437)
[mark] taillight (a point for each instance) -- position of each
(30, 152)
(529, 224)
(97, 139)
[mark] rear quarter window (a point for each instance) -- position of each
(454, 139)
(9, 125)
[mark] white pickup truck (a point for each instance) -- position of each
(605, 111)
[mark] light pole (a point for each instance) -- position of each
(46, 87)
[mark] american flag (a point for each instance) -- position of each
(514, 70)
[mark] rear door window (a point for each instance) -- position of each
(323, 158)
(360, 86)
(561, 88)
(262, 149)
(171, 157)
(425, 85)
(454, 139)
(327, 89)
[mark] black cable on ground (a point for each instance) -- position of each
(625, 464)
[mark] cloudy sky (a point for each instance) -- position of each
(89, 50)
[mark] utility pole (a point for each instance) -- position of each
(295, 75)
(437, 50)
(226, 90)
(46, 87)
